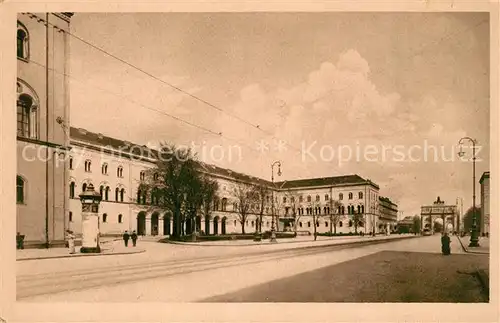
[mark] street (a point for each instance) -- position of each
(183, 273)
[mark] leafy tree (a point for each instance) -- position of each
(356, 219)
(262, 192)
(209, 194)
(467, 220)
(416, 224)
(175, 184)
(335, 214)
(246, 196)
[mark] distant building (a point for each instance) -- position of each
(388, 214)
(405, 225)
(484, 221)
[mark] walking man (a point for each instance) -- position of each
(126, 236)
(134, 238)
(445, 244)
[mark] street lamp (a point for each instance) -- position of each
(474, 239)
(273, 230)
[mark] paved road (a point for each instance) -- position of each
(185, 273)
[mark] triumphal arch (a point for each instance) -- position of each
(439, 209)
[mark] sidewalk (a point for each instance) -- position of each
(484, 245)
(298, 239)
(113, 247)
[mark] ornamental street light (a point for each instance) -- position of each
(474, 238)
(273, 230)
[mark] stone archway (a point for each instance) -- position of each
(216, 225)
(207, 225)
(223, 225)
(141, 223)
(154, 224)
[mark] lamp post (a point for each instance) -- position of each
(474, 239)
(273, 230)
(90, 220)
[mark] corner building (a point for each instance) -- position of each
(42, 123)
(116, 167)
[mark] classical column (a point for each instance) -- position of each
(148, 226)
(160, 226)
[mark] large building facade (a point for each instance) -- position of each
(56, 162)
(42, 113)
(116, 168)
(484, 222)
(388, 214)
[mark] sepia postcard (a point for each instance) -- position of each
(236, 161)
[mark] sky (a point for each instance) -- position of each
(386, 96)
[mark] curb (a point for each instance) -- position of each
(466, 249)
(84, 255)
(250, 245)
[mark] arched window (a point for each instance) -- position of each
(343, 209)
(300, 224)
(340, 224)
(88, 165)
(309, 224)
(326, 224)
(105, 169)
(120, 218)
(71, 163)
(119, 171)
(292, 199)
(350, 196)
(234, 222)
(22, 41)
(84, 187)
(122, 194)
(284, 199)
(350, 223)
(309, 198)
(317, 198)
(70, 218)
(341, 196)
(20, 190)
(101, 191)
(117, 190)
(142, 175)
(139, 196)
(104, 218)
(72, 190)
(253, 223)
(27, 111)
(327, 197)
(224, 204)
(107, 193)
(155, 176)
(362, 209)
(359, 208)
(360, 195)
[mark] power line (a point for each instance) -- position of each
(144, 106)
(160, 80)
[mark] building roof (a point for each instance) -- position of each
(125, 147)
(324, 181)
(386, 199)
(101, 140)
(484, 176)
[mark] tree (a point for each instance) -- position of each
(293, 200)
(315, 211)
(262, 194)
(335, 214)
(416, 224)
(246, 196)
(356, 219)
(174, 184)
(209, 194)
(467, 220)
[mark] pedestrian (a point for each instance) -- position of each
(445, 244)
(126, 236)
(71, 241)
(134, 238)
